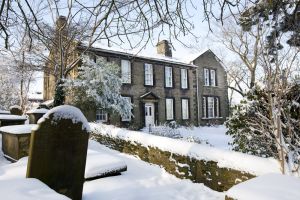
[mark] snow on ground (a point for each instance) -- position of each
(214, 136)
(267, 187)
(225, 158)
(141, 181)
(38, 110)
(28, 189)
(144, 181)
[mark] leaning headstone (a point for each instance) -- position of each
(58, 149)
(15, 110)
(35, 114)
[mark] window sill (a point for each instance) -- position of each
(212, 118)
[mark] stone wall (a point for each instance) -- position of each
(184, 167)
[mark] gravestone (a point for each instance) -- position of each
(35, 114)
(15, 110)
(58, 149)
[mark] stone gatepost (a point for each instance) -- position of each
(58, 150)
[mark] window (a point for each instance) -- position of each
(210, 77)
(184, 78)
(168, 77)
(206, 77)
(126, 71)
(204, 107)
(170, 109)
(148, 74)
(213, 77)
(211, 107)
(185, 108)
(217, 112)
(101, 116)
(127, 118)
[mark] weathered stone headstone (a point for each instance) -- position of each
(58, 150)
(15, 110)
(35, 114)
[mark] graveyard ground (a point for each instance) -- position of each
(141, 181)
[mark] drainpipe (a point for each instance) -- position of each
(198, 99)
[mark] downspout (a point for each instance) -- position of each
(198, 99)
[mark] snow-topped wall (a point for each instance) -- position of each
(216, 168)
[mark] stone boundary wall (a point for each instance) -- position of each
(184, 167)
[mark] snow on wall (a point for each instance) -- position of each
(225, 158)
(66, 112)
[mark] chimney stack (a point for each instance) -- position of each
(164, 48)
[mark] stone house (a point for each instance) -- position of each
(163, 88)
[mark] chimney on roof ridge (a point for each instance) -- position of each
(164, 48)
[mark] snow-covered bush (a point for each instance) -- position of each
(197, 140)
(98, 84)
(253, 129)
(167, 130)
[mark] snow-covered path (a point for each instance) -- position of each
(144, 181)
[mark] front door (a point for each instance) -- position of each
(149, 114)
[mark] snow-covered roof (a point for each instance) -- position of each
(267, 187)
(67, 112)
(18, 129)
(138, 54)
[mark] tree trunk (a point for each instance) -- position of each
(252, 78)
(59, 95)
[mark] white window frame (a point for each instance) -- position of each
(169, 109)
(148, 74)
(101, 115)
(206, 77)
(184, 78)
(217, 103)
(185, 109)
(168, 76)
(210, 107)
(126, 71)
(204, 106)
(213, 77)
(127, 118)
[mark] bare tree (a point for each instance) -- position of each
(247, 48)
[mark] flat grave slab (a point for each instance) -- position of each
(16, 140)
(8, 120)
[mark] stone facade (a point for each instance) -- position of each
(142, 94)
